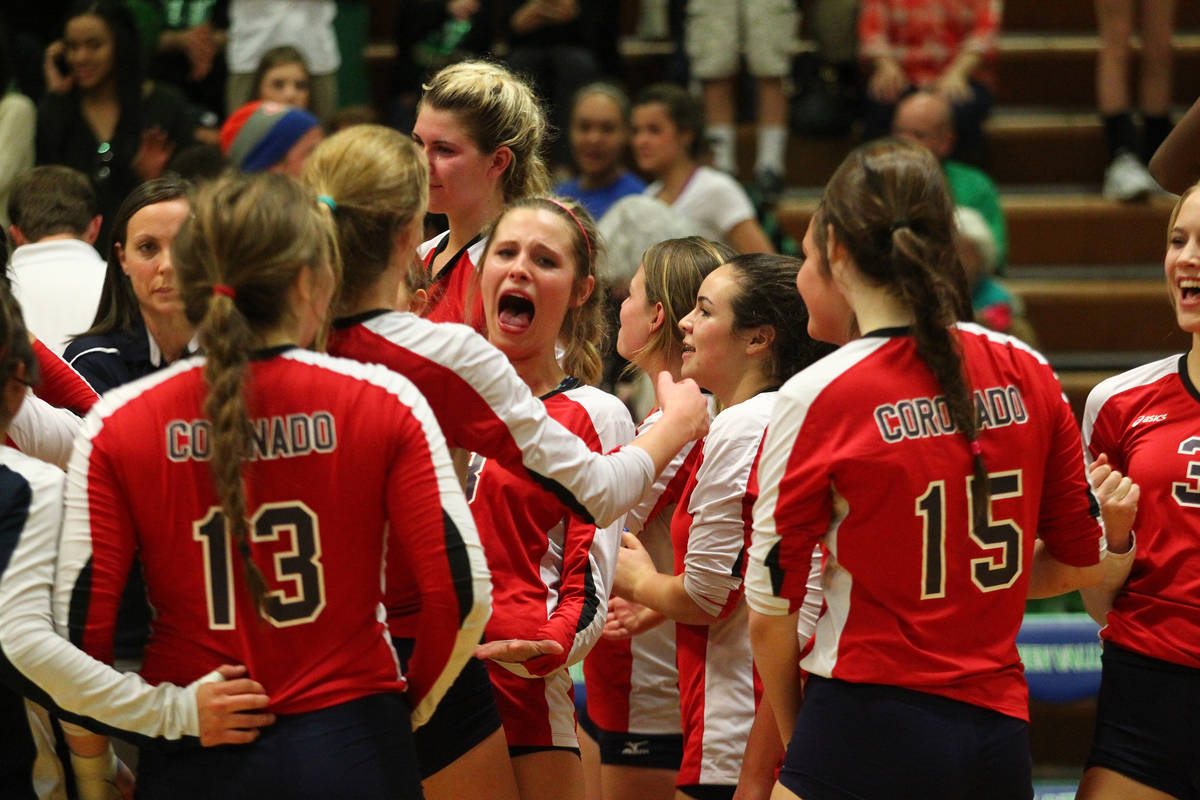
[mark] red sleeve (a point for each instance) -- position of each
(59, 385)
(1069, 515)
(430, 528)
(97, 547)
(873, 29)
(982, 38)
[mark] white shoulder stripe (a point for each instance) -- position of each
(1111, 387)
(77, 356)
(1000, 338)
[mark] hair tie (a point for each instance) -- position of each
(579, 224)
(327, 200)
(898, 224)
(224, 289)
(976, 448)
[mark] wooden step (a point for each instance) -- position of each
(1076, 16)
(1071, 230)
(1100, 316)
(1077, 384)
(1059, 70)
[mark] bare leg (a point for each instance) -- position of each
(483, 771)
(1115, 20)
(637, 783)
(1154, 89)
(547, 775)
(590, 757)
(1100, 783)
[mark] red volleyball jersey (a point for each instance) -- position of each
(553, 570)
(861, 455)
(718, 686)
(633, 684)
(454, 294)
(347, 461)
(1146, 421)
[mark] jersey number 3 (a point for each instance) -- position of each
(1001, 539)
(298, 569)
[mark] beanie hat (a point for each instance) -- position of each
(259, 134)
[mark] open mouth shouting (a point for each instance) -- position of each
(514, 312)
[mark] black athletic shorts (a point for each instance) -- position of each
(862, 741)
(359, 749)
(655, 751)
(707, 791)
(465, 716)
(1148, 722)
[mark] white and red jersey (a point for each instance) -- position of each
(347, 461)
(718, 686)
(633, 684)
(37, 662)
(862, 456)
(46, 423)
(454, 286)
(553, 571)
(1146, 420)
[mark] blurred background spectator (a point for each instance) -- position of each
(993, 304)
(599, 138)
(18, 127)
(944, 45)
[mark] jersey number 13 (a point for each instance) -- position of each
(298, 568)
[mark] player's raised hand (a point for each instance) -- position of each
(682, 402)
(518, 650)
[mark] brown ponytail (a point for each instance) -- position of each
(889, 205)
(244, 246)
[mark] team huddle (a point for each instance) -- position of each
(384, 508)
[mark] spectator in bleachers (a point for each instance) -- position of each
(1127, 177)
(599, 137)
(925, 117)
(185, 41)
(827, 94)
(668, 144)
(764, 31)
(256, 26)
(268, 137)
(55, 273)
(430, 35)
(283, 77)
(18, 127)
(560, 46)
(993, 304)
(98, 116)
(944, 45)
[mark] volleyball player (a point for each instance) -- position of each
(937, 463)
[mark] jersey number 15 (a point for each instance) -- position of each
(1001, 539)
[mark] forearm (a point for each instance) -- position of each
(1050, 577)
(777, 658)
(1098, 599)
(764, 752)
(963, 65)
(666, 595)
(1176, 163)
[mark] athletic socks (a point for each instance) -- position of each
(1157, 127)
(772, 145)
(721, 138)
(1120, 133)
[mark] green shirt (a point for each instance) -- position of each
(972, 188)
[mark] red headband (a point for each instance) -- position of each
(579, 224)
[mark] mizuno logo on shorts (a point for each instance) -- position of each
(639, 748)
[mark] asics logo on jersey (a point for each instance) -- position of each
(638, 748)
(925, 417)
(1147, 418)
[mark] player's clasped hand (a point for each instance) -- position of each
(230, 707)
(1118, 496)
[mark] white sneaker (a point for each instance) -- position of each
(1128, 179)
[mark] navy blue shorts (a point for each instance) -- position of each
(1148, 722)
(360, 749)
(465, 716)
(707, 791)
(654, 751)
(862, 741)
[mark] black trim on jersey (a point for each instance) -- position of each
(566, 384)
(591, 601)
(554, 487)
(460, 567)
(350, 321)
(440, 248)
(14, 488)
(887, 333)
(81, 595)
(1187, 381)
(775, 569)
(265, 353)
